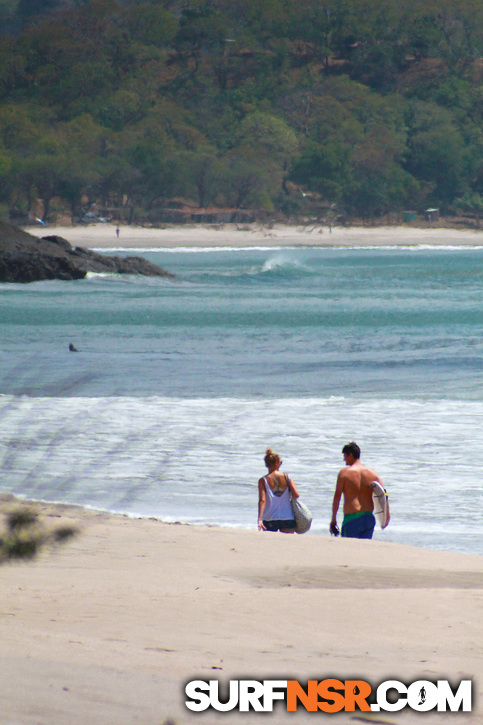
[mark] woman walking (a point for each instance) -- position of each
(274, 493)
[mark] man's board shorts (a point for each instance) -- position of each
(278, 524)
(359, 525)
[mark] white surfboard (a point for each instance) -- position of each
(380, 497)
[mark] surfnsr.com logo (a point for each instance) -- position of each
(329, 696)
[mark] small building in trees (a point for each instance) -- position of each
(432, 215)
(409, 216)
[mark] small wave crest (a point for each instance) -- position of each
(100, 275)
(283, 265)
(278, 265)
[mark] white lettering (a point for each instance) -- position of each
(233, 698)
(381, 697)
(274, 690)
(251, 692)
(198, 701)
(460, 700)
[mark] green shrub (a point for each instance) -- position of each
(25, 534)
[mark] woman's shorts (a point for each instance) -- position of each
(279, 524)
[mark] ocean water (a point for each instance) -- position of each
(180, 385)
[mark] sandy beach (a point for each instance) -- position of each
(110, 627)
(103, 236)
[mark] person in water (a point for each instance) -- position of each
(274, 491)
(354, 482)
(72, 347)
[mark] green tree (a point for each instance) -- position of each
(203, 30)
(471, 203)
(264, 146)
(246, 183)
(204, 169)
(381, 42)
(150, 24)
(121, 109)
(436, 154)
(460, 27)
(8, 15)
(156, 175)
(84, 144)
(325, 168)
(354, 145)
(318, 28)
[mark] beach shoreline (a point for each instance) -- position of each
(110, 627)
(103, 236)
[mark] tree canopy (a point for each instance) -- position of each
(370, 107)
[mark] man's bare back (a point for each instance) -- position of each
(354, 483)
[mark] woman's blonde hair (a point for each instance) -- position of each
(271, 458)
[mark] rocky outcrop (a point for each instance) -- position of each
(26, 258)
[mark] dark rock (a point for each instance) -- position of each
(26, 258)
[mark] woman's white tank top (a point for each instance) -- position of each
(277, 508)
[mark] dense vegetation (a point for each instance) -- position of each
(363, 107)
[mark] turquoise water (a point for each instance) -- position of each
(179, 386)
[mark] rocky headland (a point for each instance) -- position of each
(26, 258)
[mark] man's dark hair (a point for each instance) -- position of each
(353, 449)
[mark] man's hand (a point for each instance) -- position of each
(334, 529)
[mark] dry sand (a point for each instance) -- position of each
(108, 629)
(103, 236)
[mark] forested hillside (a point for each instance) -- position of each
(352, 108)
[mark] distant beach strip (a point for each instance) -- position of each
(103, 236)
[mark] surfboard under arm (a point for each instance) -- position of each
(380, 499)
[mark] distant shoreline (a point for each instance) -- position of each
(103, 236)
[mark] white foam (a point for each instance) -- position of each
(199, 460)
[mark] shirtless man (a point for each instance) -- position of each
(355, 482)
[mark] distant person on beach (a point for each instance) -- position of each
(73, 348)
(354, 482)
(117, 232)
(274, 489)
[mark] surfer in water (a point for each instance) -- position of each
(354, 482)
(274, 491)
